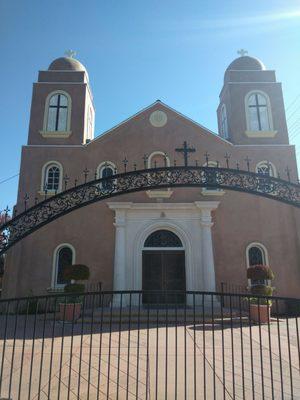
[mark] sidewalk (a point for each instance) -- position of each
(154, 363)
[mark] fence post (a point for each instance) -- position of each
(222, 291)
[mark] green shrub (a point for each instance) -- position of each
(74, 288)
(73, 273)
(262, 290)
(260, 272)
(77, 272)
(260, 301)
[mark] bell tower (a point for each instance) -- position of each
(251, 109)
(62, 109)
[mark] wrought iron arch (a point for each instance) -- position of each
(89, 192)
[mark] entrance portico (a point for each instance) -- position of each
(191, 222)
(163, 268)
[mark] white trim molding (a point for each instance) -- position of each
(212, 192)
(256, 134)
(103, 165)
(271, 167)
(158, 153)
(224, 122)
(54, 263)
(191, 222)
(262, 247)
(264, 253)
(162, 193)
(159, 194)
(156, 103)
(43, 177)
(261, 134)
(56, 134)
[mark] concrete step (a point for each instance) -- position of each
(163, 316)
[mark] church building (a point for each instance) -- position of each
(183, 238)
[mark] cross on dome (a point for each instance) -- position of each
(70, 53)
(242, 52)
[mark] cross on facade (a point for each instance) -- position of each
(66, 179)
(185, 150)
(26, 198)
(288, 170)
(206, 155)
(86, 172)
(165, 159)
(247, 159)
(242, 52)
(70, 53)
(125, 162)
(6, 211)
(145, 158)
(227, 157)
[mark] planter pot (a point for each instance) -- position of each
(69, 312)
(260, 313)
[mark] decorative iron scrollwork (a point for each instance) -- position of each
(156, 178)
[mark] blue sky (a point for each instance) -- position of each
(137, 52)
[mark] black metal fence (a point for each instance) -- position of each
(112, 345)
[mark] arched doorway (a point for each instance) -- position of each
(163, 268)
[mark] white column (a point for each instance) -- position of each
(120, 255)
(207, 251)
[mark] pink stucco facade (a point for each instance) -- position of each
(240, 218)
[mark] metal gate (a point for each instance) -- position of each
(107, 345)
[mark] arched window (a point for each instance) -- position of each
(52, 177)
(163, 238)
(58, 113)
(158, 159)
(256, 254)
(90, 124)
(64, 256)
(224, 125)
(258, 112)
(212, 190)
(105, 170)
(266, 168)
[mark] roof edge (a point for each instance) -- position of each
(147, 108)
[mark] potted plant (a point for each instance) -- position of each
(260, 272)
(70, 309)
(260, 307)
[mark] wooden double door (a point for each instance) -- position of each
(164, 270)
